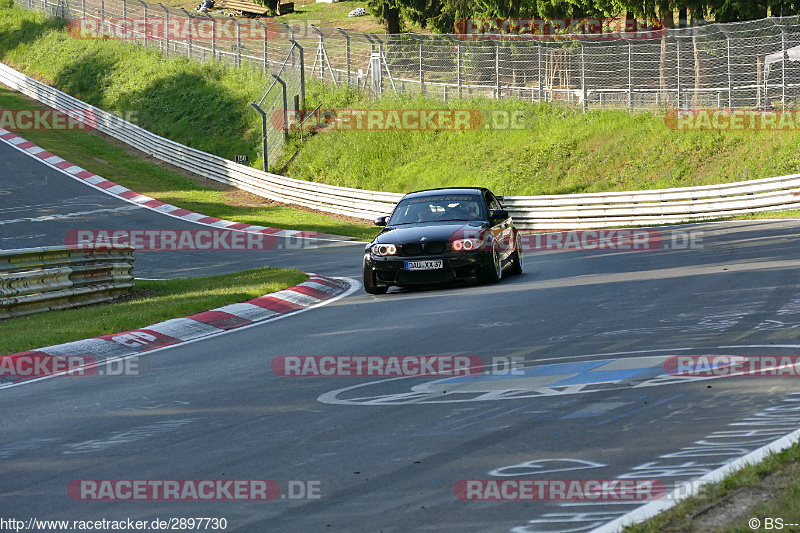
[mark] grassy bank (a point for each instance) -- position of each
(765, 489)
(558, 150)
(141, 173)
(152, 302)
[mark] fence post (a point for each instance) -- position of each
(321, 53)
(285, 107)
(630, 76)
(266, 63)
(295, 44)
(458, 67)
(730, 83)
(238, 44)
(263, 135)
(125, 10)
(421, 68)
(191, 29)
(83, 9)
(539, 69)
(166, 29)
(347, 44)
(585, 105)
(144, 4)
(214, 39)
(497, 67)
(102, 15)
(783, 67)
(291, 38)
(678, 55)
(419, 56)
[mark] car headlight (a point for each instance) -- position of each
(466, 245)
(384, 249)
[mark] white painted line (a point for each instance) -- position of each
(693, 486)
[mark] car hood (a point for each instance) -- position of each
(441, 231)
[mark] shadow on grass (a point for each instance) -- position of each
(27, 33)
(188, 109)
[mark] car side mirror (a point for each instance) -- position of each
(498, 214)
(381, 221)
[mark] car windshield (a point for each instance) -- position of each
(438, 209)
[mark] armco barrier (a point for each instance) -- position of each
(530, 212)
(33, 280)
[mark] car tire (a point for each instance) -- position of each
(369, 283)
(494, 271)
(517, 258)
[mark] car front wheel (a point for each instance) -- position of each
(517, 259)
(494, 271)
(369, 282)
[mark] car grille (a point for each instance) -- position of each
(427, 248)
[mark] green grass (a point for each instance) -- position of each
(113, 162)
(163, 300)
(559, 151)
(781, 504)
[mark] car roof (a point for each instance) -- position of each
(446, 191)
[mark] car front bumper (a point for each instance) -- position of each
(390, 270)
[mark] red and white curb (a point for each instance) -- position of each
(114, 189)
(316, 291)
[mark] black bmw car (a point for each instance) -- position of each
(442, 235)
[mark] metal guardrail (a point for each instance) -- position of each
(530, 212)
(33, 280)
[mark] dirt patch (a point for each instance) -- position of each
(730, 510)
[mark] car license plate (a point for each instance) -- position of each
(424, 265)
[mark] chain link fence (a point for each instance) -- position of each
(754, 64)
(279, 104)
